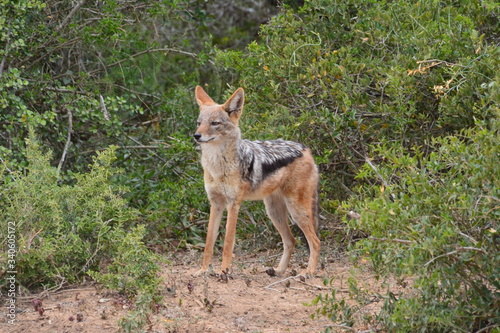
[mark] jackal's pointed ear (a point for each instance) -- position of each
(202, 97)
(234, 105)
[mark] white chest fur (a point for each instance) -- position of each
(220, 162)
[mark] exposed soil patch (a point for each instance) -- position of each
(246, 300)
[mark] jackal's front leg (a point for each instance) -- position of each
(216, 210)
(232, 218)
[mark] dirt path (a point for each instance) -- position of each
(250, 301)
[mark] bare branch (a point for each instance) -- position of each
(341, 326)
(70, 15)
(393, 240)
(66, 91)
(137, 92)
(288, 278)
(166, 49)
(468, 237)
(487, 328)
(460, 249)
(45, 55)
(68, 141)
(367, 160)
(2, 64)
(103, 108)
(140, 144)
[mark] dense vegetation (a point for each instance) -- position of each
(399, 101)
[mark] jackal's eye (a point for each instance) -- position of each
(198, 123)
(215, 123)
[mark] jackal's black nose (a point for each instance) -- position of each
(197, 136)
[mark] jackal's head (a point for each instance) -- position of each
(218, 121)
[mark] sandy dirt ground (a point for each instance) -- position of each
(249, 300)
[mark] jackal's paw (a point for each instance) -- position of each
(200, 272)
(275, 271)
(306, 274)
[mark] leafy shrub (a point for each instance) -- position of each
(395, 99)
(65, 231)
(345, 75)
(436, 222)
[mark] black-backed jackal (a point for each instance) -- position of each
(282, 173)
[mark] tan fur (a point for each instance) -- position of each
(290, 189)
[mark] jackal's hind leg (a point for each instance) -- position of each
(304, 214)
(277, 211)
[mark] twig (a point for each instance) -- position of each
(460, 249)
(66, 91)
(124, 147)
(30, 63)
(5, 166)
(372, 115)
(137, 92)
(436, 62)
(68, 140)
(394, 240)
(468, 237)
(295, 288)
(487, 328)
(2, 64)
(384, 182)
(261, 259)
(272, 284)
(45, 294)
(70, 15)
(139, 147)
(317, 287)
(341, 326)
(103, 108)
(139, 143)
(294, 53)
(97, 249)
(165, 49)
(367, 160)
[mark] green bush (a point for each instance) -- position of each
(66, 232)
(399, 102)
(436, 224)
(61, 228)
(345, 75)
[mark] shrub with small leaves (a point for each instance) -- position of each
(61, 229)
(65, 232)
(435, 223)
